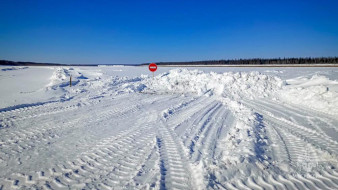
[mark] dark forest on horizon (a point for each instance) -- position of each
(254, 61)
(258, 61)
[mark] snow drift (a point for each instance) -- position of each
(317, 92)
(229, 84)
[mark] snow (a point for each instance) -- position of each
(316, 92)
(23, 85)
(231, 84)
(118, 127)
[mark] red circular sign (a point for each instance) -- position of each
(152, 67)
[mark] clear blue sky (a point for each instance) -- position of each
(128, 32)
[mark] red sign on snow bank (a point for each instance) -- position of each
(152, 67)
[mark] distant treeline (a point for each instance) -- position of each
(25, 63)
(258, 61)
(22, 63)
(254, 61)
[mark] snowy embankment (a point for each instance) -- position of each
(315, 92)
(182, 129)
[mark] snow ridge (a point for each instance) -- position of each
(233, 85)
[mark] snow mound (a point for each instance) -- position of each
(13, 68)
(318, 93)
(59, 75)
(61, 78)
(228, 84)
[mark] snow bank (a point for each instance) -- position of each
(317, 92)
(60, 75)
(23, 85)
(243, 143)
(247, 141)
(228, 84)
(13, 68)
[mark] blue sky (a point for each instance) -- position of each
(131, 32)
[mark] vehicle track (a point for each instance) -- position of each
(174, 168)
(113, 161)
(25, 139)
(179, 150)
(310, 135)
(299, 145)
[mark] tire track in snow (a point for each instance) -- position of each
(281, 153)
(25, 139)
(311, 136)
(148, 176)
(175, 171)
(207, 151)
(315, 139)
(188, 122)
(199, 126)
(324, 125)
(298, 147)
(287, 181)
(184, 113)
(294, 145)
(9, 119)
(195, 131)
(49, 109)
(186, 129)
(114, 161)
(205, 139)
(204, 132)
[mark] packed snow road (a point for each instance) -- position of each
(184, 129)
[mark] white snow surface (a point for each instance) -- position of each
(229, 84)
(195, 128)
(316, 92)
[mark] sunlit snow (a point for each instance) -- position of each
(186, 128)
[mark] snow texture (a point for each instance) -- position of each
(117, 127)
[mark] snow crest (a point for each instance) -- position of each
(228, 84)
(317, 92)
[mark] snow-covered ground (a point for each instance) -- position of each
(193, 128)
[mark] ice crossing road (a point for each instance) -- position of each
(68, 145)
(159, 140)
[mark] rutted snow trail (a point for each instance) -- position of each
(182, 130)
